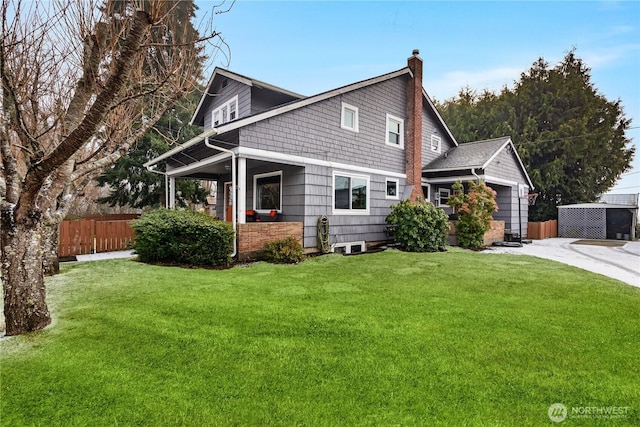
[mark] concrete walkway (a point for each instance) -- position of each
(618, 262)
(105, 255)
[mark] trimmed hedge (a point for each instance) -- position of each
(284, 251)
(183, 237)
(419, 227)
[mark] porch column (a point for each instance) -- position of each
(172, 192)
(241, 190)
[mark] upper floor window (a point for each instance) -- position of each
(350, 194)
(395, 131)
(436, 143)
(225, 113)
(349, 117)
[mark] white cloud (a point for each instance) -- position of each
(493, 79)
(611, 55)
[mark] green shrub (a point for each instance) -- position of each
(183, 237)
(284, 251)
(474, 211)
(419, 227)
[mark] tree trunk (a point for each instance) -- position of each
(25, 309)
(51, 238)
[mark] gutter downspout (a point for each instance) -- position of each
(234, 213)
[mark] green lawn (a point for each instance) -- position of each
(391, 338)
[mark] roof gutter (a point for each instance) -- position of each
(193, 141)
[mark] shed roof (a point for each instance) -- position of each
(596, 206)
(475, 154)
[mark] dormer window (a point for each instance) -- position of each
(225, 113)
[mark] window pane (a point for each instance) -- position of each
(341, 197)
(232, 111)
(268, 192)
(394, 126)
(392, 188)
(216, 118)
(394, 138)
(349, 118)
(224, 114)
(359, 193)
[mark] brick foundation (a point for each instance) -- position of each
(253, 235)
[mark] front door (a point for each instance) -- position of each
(228, 201)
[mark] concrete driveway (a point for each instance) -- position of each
(618, 262)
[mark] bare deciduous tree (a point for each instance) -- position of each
(81, 82)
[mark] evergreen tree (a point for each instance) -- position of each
(133, 185)
(569, 136)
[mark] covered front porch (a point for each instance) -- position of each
(509, 222)
(261, 197)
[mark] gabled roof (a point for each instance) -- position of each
(474, 155)
(242, 79)
(293, 105)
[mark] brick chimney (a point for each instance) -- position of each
(413, 144)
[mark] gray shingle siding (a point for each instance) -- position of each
(507, 199)
(506, 166)
(344, 228)
(314, 131)
(224, 94)
(429, 127)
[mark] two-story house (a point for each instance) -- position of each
(347, 154)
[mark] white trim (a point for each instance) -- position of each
(448, 191)
(271, 156)
(387, 130)
(241, 190)
(255, 190)
(397, 182)
(464, 178)
(425, 183)
(438, 148)
(193, 167)
(348, 246)
(349, 211)
(300, 160)
(356, 120)
(495, 180)
(181, 147)
(227, 105)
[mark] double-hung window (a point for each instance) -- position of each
(225, 113)
(395, 131)
(436, 143)
(350, 194)
(349, 117)
(267, 191)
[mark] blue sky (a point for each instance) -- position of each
(310, 47)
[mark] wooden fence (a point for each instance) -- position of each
(542, 230)
(85, 236)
